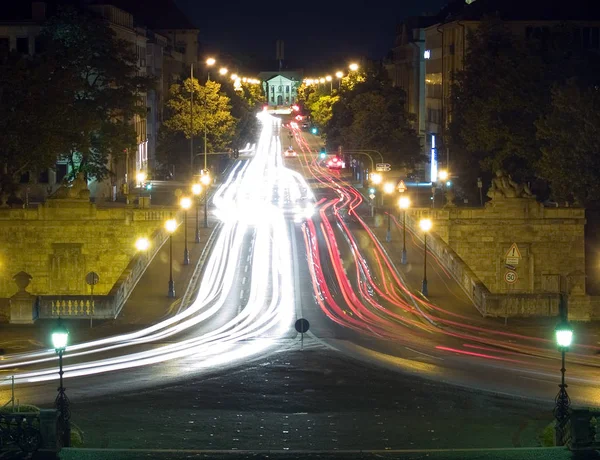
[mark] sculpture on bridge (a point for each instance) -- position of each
(76, 190)
(504, 187)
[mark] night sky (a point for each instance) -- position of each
(318, 35)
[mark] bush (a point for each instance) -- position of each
(76, 436)
(547, 436)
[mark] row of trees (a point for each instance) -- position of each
(365, 113)
(530, 107)
(71, 101)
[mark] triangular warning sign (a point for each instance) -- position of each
(401, 186)
(514, 251)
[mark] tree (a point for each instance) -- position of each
(34, 104)
(495, 102)
(321, 108)
(211, 112)
(570, 143)
(106, 90)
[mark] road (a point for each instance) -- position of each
(295, 242)
(244, 306)
(367, 308)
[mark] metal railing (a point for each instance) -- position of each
(20, 430)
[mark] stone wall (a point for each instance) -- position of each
(59, 242)
(550, 241)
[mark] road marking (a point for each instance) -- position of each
(424, 354)
(244, 280)
(246, 269)
(241, 294)
(248, 258)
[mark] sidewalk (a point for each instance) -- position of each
(147, 304)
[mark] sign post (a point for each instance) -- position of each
(92, 279)
(302, 326)
(382, 167)
(401, 186)
(513, 255)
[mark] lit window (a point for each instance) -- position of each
(427, 54)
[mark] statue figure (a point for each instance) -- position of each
(76, 190)
(504, 187)
(450, 196)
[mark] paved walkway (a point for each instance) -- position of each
(147, 304)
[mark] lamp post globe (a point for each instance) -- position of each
(60, 340)
(564, 337)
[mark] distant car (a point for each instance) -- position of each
(335, 163)
(290, 152)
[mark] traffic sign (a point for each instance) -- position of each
(92, 278)
(510, 277)
(510, 267)
(372, 196)
(302, 325)
(512, 261)
(383, 167)
(402, 187)
(514, 251)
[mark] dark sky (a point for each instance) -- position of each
(319, 35)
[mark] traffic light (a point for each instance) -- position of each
(148, 185)
(372, 191)
(314, 130)
(323, 154)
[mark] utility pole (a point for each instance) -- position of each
(192, 120)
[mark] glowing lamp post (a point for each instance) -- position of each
(404, 204)
(185, 203)
(60, 339)
(425, 225)
(564, 337)
(443, 177)
(223, 71)
(197, 191)
(142, 244)
(388, 189)
(339, 74)
(353, 67)
(171, 226)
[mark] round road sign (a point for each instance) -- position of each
(92, 278)
(510, 277)
(302, 325)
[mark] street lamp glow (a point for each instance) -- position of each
(223, 70)
(197, 189)
(339, 74)
(443, 175)
(186, 202)
(234, 76)
(141, 177)
(376, 178)
(353, 67)
(171, 225)
(321, 80)
(142, 244)
(388, 187)
(564, 335)
(210, 61)
(205, 179)
(60, 337)
(328, 78)
(425, 224)
(404, 202)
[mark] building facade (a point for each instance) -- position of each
(281, 88)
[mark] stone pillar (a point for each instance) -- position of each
(22, 304)
(48, 425)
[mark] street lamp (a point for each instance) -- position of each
(404, 204)
(353, 67)
(186, 203)
(330, 80)
(425, 225)
(376, 178)
(205, 179)
(339, 74)
(60, 339)
(564, 337)
(209, 63)
(223, 71)
(141, 178)
(171, 226)
(443, 177)
(388, 188)
(142, 244)
(234, 76)
(197, 190)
